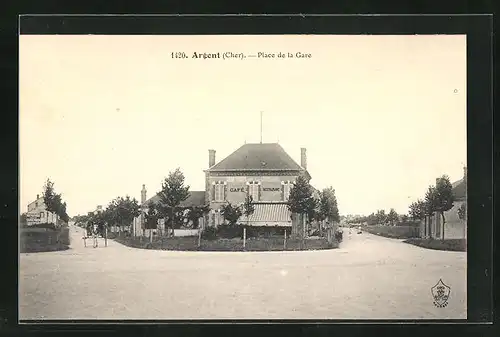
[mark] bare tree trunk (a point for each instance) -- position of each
(303, 232)
(173, 212)
(444, 223)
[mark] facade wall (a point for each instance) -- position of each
(37, 205)
(454, 228)
(37, 213)
(236, 190)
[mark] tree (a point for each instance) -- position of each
(122, 211)
(417, 210)
(371, 219)
(197, 212)
(151, 219)
(50, 198)
(173, 192)
(128, 209)
(248, 207)
(151, 216)
(392, 217)
(53, 202)
(301, 201)
(429, 207)
(381, 217)
(111, 213)
(63, 213)
(231, 213)
(328, 208)
(23, 221)
(443, 198)
(313, 210)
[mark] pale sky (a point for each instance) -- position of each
(381, 116)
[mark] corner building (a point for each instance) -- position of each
(264, 171)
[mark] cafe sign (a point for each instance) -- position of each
(237, 189)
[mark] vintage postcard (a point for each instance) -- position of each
(227, 177)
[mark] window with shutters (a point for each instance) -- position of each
(287, 187)
(219, 191)
(254, 190)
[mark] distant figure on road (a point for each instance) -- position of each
(95, 232)
(84, 238)
(87, 233)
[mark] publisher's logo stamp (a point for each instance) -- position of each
(441, 294)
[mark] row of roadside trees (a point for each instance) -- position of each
(380, 217)
(438, 199)
(121, 211)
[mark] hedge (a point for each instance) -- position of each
(395, 232)
(253, 244)
(44, 239)
(455, 245)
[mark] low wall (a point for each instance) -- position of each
(178, 232)
(185, 232)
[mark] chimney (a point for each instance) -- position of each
(465, 173)
(211, 158)
(143, 194)
(303, 158)
(37, 196)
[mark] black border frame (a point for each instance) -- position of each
(479, 31)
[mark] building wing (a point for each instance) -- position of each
(196, 198)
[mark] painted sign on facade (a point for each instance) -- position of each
(33, 218)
